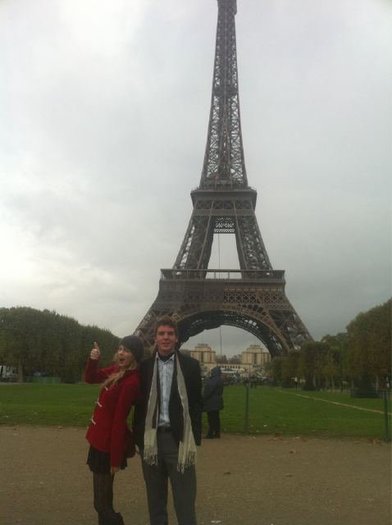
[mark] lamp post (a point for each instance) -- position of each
(386, 395)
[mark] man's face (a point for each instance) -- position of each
(165, 339)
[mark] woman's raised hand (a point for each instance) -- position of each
(95, 351)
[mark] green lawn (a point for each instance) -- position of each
(47, 404)
(291, 412)
(271, 410)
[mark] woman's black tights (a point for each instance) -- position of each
(103, 500)
(103, 492)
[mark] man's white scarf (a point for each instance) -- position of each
(187, 446)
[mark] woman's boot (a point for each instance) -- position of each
(110, 518)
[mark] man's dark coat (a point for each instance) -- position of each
(192, 376)
(213, 391)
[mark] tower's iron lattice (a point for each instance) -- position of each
(252, 298)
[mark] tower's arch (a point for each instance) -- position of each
(194, 324)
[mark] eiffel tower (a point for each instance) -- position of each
(253, 297)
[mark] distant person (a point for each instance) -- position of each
(213, 402)
(167, 426)
(111, 441)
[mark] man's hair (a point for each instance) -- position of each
(166, 320)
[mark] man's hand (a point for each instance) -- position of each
(95, 352)
(113, 470)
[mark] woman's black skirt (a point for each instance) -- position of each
(99, 462)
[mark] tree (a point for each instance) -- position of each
(369, 347)
(274, 368)
(311, 364)
(45, 342)
(290, 368)
(17, 343)
(336, 367)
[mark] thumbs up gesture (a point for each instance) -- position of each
(95, 352)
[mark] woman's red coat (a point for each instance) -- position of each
(108, 430)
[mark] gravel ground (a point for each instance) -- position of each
(241, 480)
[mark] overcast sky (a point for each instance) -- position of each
(104, 109)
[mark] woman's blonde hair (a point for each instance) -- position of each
(114, 378)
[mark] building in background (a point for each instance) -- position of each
(204, 354)
(252, 362)
(256, 356)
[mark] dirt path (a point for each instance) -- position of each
(241, 480)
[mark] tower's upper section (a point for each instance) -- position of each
(224, 165)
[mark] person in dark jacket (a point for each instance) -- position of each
(213, 402)
(111, 441)
(167, 426)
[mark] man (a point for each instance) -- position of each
(213, 402)
(167, 426)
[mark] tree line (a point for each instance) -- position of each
(49, 344)
(359, 358)
(46, 343)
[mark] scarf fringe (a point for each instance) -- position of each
(150, 453)
(190, 461)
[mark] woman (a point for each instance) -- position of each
(213, 402)
(111, 441)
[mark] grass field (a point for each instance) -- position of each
(291, 412)
(270, 410)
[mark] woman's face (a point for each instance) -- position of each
(124, 357)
